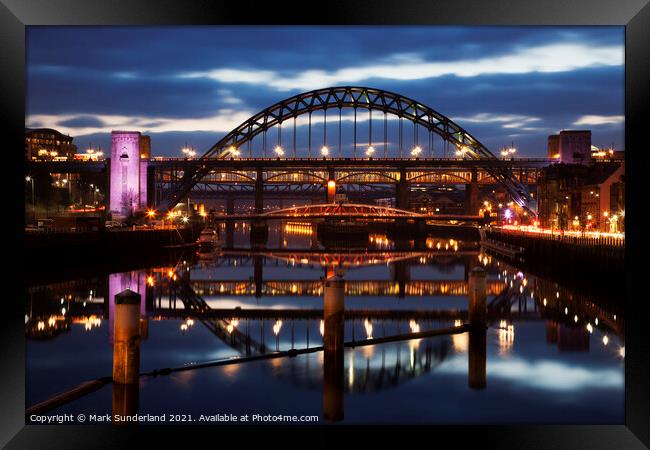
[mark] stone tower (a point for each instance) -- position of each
(128, 185)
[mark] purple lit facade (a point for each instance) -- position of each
(128, 189)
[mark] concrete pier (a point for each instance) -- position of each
(333, 365)
(258, 274)
(259, 233)
(402, 192)
(477, 359)
(477, 312)
(330, 188)
(472, 194)
(259, 191)
(477, 308)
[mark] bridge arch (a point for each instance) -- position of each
(468, 147)
(229, 175)
(307, 177)
(336, 209)
(359, 177)
(444, 176)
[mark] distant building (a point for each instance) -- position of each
(553, 147)
(440, 203)
(576, 196)
(596, 208)
(608, 154)
(48, 144)
(575, 146)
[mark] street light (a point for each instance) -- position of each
(370, 151)
(189, 152)
(30, 180)
(416, 151)
(278, 150)
(324, 150)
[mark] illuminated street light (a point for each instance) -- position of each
(416, 151)
(151, 213)
(324, 150)
(185, 219)
(278, 150)
(370, 151)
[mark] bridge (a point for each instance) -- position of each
(338, 98)
(433, 151)
(344, 211)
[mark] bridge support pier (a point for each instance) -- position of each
(230, 205)
(402, 192)
(333, 365)
(477, 289)
(477, 352)
(330, 188)
(401, 274)
(258, 274)
(259, 192)
(259, 233)
(471, 194)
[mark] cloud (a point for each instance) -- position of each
(73, 124)
(82, 122)
(545, 58)
(543, 374)
(599, 120)
(518, 121)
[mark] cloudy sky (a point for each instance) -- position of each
(191, 85)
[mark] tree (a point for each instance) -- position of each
(128, 203)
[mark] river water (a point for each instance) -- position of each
(551, 354)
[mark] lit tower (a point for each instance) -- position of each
(128, 187)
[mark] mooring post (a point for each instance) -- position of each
(333, 365)
(126, 352)
(126, 338)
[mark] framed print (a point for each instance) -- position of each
(387, 218)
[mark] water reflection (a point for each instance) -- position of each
(246, 303)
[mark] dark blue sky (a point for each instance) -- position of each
(194, 84)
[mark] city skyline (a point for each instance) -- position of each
(191, 85)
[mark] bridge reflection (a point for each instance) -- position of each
(354, 357)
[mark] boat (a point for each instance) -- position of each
(209, 239)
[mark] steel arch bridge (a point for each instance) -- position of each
(342, 210)
(337, 98)
(345, 211)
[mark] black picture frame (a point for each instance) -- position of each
(15, 15)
